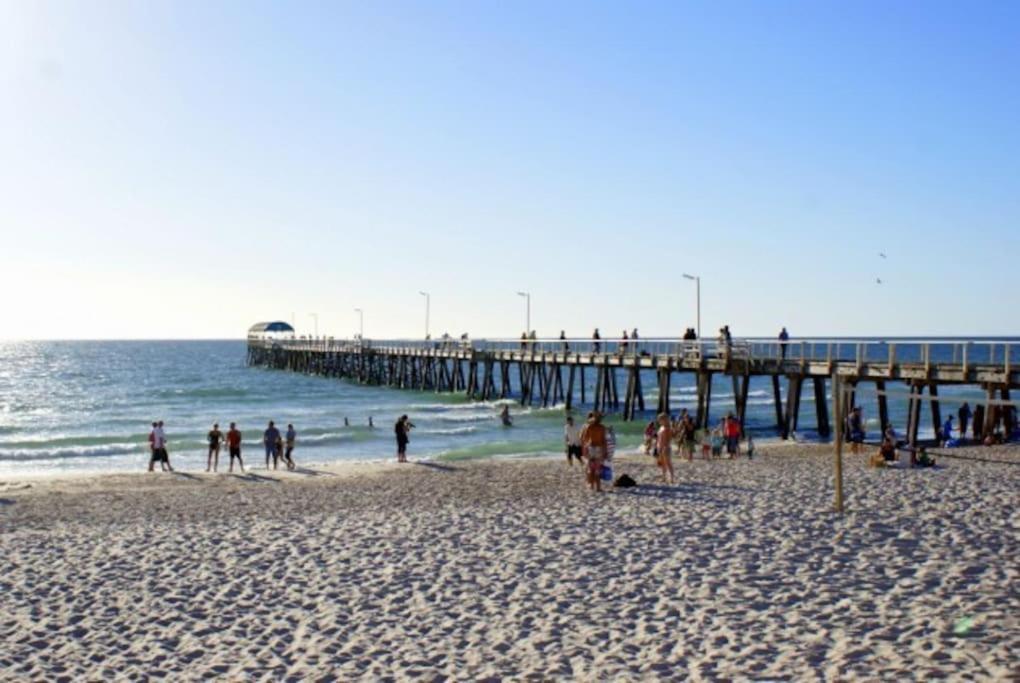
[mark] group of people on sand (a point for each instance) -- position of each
(593, 445)
(279, 447)
(665, 432)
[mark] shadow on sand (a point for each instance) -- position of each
(437, 466)
(185, 475)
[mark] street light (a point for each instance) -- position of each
(697, 282)
(315, 316)
(428, 300)
(527, 311)
(361, 323)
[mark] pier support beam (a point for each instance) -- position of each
(821, 408)
(777, 399)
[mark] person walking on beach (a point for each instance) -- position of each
(270, 438)
(159, 443)
(234, 447)
(215, 439)
(402, 429)
(288, 455)
(663, 444)
(572, 441)
(154, 455)
(593, 440)
(964, 415)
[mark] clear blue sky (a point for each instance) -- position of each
(182, 169)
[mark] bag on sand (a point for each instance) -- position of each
(607, 473)
(625, 481)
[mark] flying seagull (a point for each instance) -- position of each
(881, 254)
(878, 280)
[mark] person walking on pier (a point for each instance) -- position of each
(594, 442)
(634, 340)
(964, 415)
(215, 439)
(596, 346)
(663, 444)
(234, 447)
(563, 338)
(402, 430)
(270, 439)
(623, 343)
(572, 441)
(288, 455)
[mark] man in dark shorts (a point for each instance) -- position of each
(291, 438)
(572, 441)
(271, 438)
(234, 445)
(402, 430)
(215, 439)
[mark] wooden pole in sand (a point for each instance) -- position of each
(840, 401)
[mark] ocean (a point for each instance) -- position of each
(88, 406)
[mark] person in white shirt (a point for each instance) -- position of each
(159, 447)
(572, 441)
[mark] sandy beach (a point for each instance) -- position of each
(512, 570)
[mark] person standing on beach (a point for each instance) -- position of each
(289, 453)
(964, 416)
(270, 437)
(594, 442)
(664, 442)
(234, 446)
(215, 439)
(572, 441)
(732, 429)
(159, 442)
(153, 454)
(403, 430)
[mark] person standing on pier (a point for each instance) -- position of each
(270, 438)
(595, 346)
(215, 439)
(964, 415)
(234, 446)
(633, 340)
(563, 338)
(623, 343)
(524, 340)
(784, 337)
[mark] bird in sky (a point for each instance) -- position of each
(881, 254)
(878, 280)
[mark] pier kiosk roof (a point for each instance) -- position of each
(270, 329)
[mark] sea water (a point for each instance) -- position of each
(89, 405)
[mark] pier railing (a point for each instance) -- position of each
(897, 351)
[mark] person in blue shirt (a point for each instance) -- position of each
(947, 431)
(271, 437)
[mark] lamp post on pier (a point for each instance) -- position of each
(361, 324)
(697, 284)
(428, 301)
(527, 311)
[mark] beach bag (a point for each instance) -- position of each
(607, 473)
(624, 481)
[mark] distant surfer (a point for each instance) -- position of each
(504, 415)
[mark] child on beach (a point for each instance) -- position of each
(649, 443)
(717, 442)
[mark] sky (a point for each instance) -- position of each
(185, 169)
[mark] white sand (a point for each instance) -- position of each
(513, 570)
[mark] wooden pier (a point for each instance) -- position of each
(553, 372)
